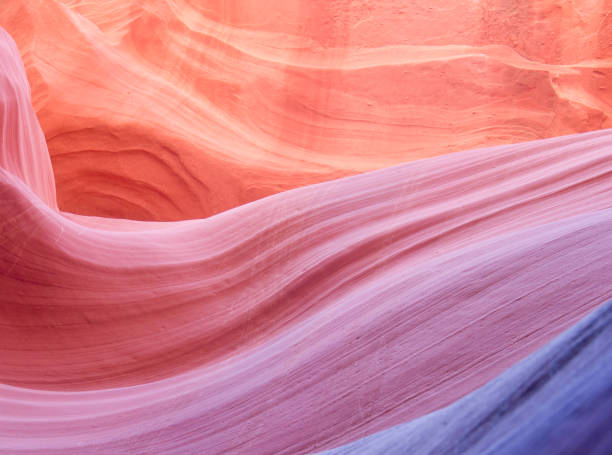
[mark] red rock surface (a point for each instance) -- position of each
(316, 316)
(166, 110)
(295, 323)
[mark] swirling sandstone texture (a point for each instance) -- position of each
(557, 402)
(177, 109)
(299, 322)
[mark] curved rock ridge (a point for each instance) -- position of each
(23, 150)
(298, 322)
(394, 339)
(557, 401)
(193, 108)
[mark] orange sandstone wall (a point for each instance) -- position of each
(165, 110)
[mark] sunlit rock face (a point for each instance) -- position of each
(175, 109)
(299, 322)
(439, 303)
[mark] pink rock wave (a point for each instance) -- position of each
(294, 323)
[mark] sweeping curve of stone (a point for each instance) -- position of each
(301, 321)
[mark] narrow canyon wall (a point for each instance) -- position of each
(196, 107)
